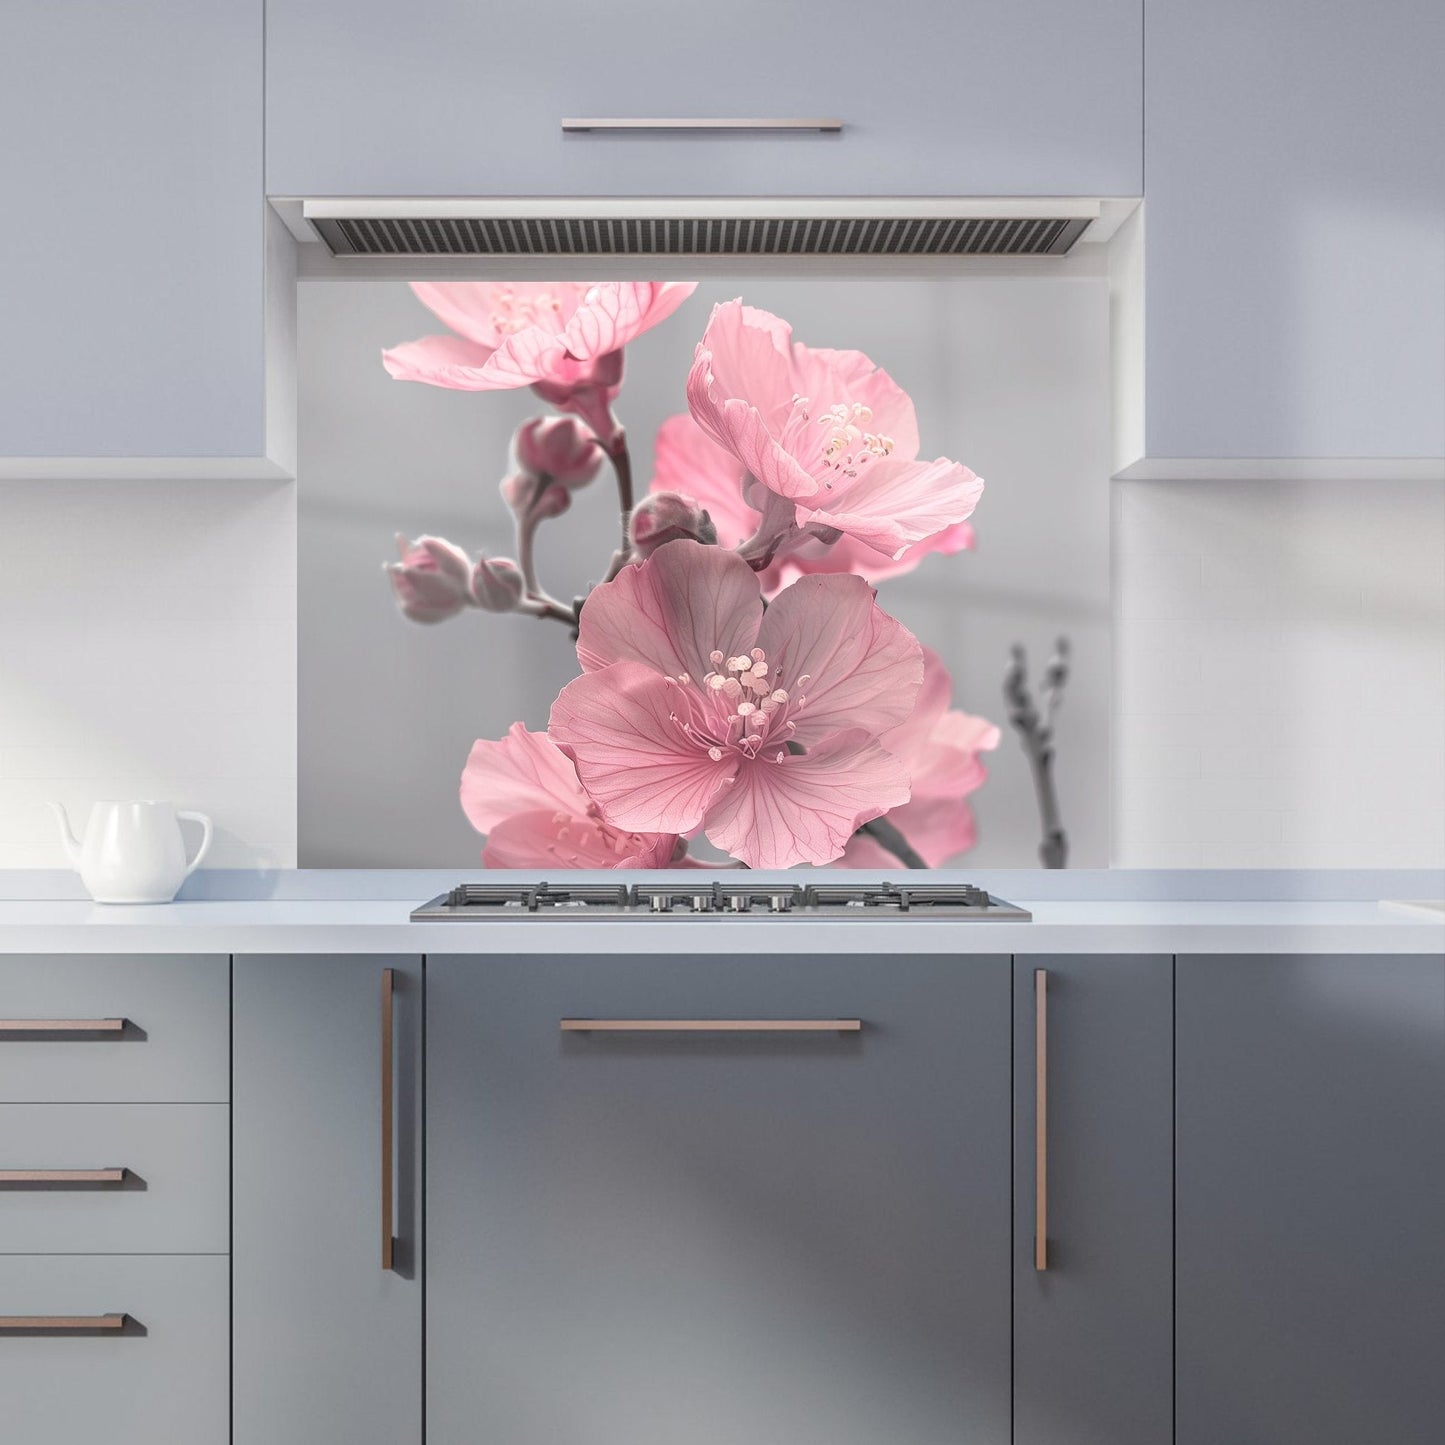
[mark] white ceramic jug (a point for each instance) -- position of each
(133, 852)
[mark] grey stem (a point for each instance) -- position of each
(1036, 734)
(882, 832)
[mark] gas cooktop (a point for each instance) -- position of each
(470, 902)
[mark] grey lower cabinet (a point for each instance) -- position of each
(1093, 1355)
(1311, 1189)
(637, 1236)
(326, 1340)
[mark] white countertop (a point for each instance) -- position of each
(372, 926)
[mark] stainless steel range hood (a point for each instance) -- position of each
(722, 226)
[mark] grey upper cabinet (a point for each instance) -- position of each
(133, 292)
(1093, 1349)
(326, 1341)
(949, 97)
(1295, 232)
(637, 1238)
(1311, 1187)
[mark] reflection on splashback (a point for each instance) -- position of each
(690, 574)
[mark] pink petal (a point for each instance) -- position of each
(615, 312)
(633, 758)
(825, 377)
(534, 354)
(849, 555)
(549, 839)
(804, 808)
(896, 504)
(684, 602)
(864, 667)
(738, 425)
(522, 772)
(471, 308)
(441, 361)
(911, 739)
(687, 460)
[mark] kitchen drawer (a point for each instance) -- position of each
(162, 1378)
(172, 1199)
(173, 1049)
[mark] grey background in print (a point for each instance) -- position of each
(1008, 375)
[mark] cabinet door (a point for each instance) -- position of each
(1311, 1186)
(132, 290)
(327, 1343)
(643, 1238)
(1295, 252)
(1093, 1353)
(951, 97)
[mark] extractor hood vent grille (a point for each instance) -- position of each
(839, 235)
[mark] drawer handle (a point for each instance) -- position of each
(388, 1122)
(75, 1324)
(84, 1028)
(711, 1026)
(63, 1176)
(1041, 1119)
(700, 125)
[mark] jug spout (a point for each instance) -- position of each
(68, 839)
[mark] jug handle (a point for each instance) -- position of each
(67, 838)
(201, 852)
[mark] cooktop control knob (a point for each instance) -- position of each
(779, 903)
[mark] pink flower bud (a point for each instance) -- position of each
(532, 499)
(668, 517)
(559, 448)
(433, 579)
(496, 584)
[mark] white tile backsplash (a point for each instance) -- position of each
(148, 649)
(1279, 674)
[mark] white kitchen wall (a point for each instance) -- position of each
(1279, 674)
(148, 649)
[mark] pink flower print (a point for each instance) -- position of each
(523, 793)
(698, 710)
(561, 338)
(940, 747)
(432, 581)
(688, 461)
(826, 430)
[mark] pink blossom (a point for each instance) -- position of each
(826, 430)
(432, 581)
(560, 448)
(688, 461)
(497, 584)
(697, 709)
(523, 793)
(667, 517)
(939, 746)
(561, 338)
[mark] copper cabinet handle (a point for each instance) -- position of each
(711, 1026)
(388, 1118)
(13, 1028)
(701, 124)
(78, 1323)
(1041, 1118)
(63, 1176)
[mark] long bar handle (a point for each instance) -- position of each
(75, 1323)
(1041, 1119)
(63, 1176)
(388, 1118)
(582, 125)
(711, 1026)
(18, 1027)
